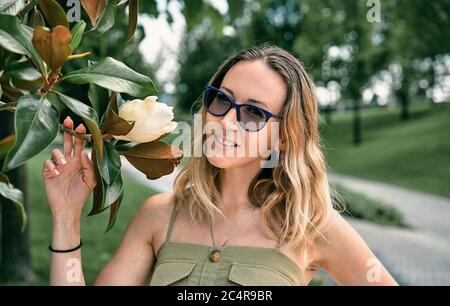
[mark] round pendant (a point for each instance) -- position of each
(215, 256)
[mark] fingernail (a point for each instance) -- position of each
(67, 117)
(63, 161)
(55, 171)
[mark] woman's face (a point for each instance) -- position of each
(246, 82)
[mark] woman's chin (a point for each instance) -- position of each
(223, 162)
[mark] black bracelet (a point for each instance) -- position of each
(66, 251)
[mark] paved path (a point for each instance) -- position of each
(425, 212)
(418, 256)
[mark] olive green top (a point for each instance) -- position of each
(180, 264)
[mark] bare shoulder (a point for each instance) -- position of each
(159, 204)
(156, 211)
(336, 238)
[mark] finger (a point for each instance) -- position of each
(58, 156)
(79, 143)
(50, 169)
(88, 169)
(68, 139)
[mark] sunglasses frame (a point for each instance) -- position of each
(237, 107)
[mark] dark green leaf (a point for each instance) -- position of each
(112, 165)
(115, 125)
(36, 123)
(36, 19)
(99, 189)
(133, 11)
(8, 191)
(6, 144)
(114, 75)
(113, 212)
(54, 13)
(22, 71)
(88, 115)
(77, 34)
(16, 37)
(99, 100)
(113, 192)
(105, 22)
(11, 7)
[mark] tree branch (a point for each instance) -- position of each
(86, 137)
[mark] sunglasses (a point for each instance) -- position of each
(252, 118)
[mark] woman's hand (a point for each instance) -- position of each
(69, 178)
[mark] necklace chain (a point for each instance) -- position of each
(235, 232)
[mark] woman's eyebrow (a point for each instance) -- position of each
(249, 100)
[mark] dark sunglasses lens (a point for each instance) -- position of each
(252, 118)
(216, 103)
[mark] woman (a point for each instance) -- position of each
(234, 218)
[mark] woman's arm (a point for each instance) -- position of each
(132, 262)
(348, 259)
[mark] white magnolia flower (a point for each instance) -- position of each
(153, 119)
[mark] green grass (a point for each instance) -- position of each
(358, 206)
(98, 246)
(413, 154)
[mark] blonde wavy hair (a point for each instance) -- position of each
(294, 196)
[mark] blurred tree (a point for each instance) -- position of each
(417, 38)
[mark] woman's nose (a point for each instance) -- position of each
(229, 120)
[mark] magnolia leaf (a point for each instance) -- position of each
(105, 194)
(98, 96)
(114, 75)
(8, 191)
(53, 47)
(111, 167)
(99, 189)
(12, 7)
(36, 19)
(77, 33)
(106, 20)
(154, 159)
(4, 178)
(6, 144)
(115, 125)
(21, 71)
(133, 11)
(152, 168)
(54, 13)
(36, 123)
(154, 150)
(113, 192)
(113, 212)
(94, 9)
(16, 37)
(88, 115)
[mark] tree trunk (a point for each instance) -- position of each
(357, 139)
(15, 257)
(404, 102)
